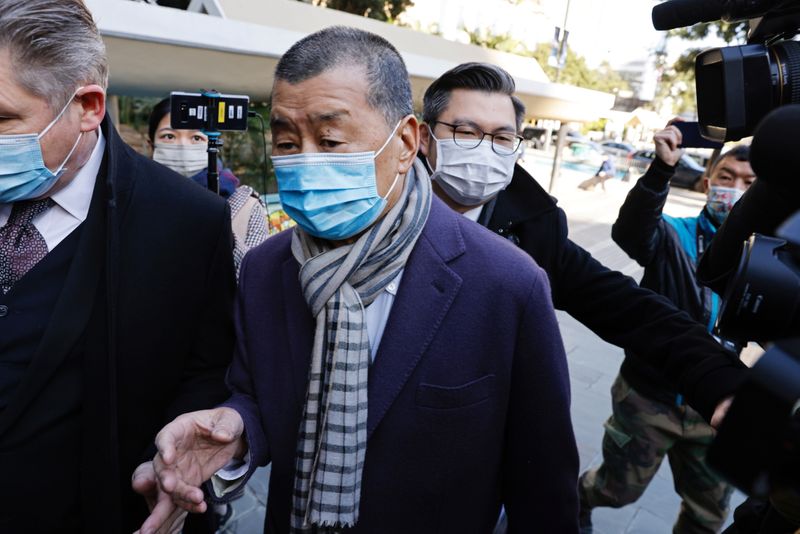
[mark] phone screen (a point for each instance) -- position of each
(692, 138)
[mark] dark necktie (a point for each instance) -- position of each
(21, 244)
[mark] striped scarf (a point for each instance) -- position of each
(338, 283)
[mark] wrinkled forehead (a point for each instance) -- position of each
(337, 95)
(734, 167)
(488, 110)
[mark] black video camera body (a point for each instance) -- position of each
(737, 86)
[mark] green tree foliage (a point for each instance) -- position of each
(385, 10)
(575, 71)
(729, 32)
(735, 33)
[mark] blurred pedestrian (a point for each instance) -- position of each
(606, 171)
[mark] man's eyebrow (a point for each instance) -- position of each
(473, 124)
(729, 170)
(277, 122)
(329, 116)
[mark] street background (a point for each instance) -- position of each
(593, 363)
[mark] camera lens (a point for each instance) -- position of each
(738, 85)
(785, 70)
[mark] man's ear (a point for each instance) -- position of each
(706, 184)
(425, 139)
(409, 135)
(93, 103)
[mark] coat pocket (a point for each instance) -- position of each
(448, 397)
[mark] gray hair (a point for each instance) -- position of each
(389, 88)
(54, 47)
(473, 76)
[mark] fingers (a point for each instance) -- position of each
(185, 495)
(166, 517)
(226, 425)
(671, 136)
(167, 441)
(162, 514)
(144, 483)
(143, 480)
(177, 523)
(721, 412)
(668, 143)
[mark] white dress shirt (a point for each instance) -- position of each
(71, 203)
(227, 479)
(474, 213)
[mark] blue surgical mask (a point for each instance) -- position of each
(329, 195)
(23, 174)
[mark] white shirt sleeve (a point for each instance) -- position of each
(230, 478)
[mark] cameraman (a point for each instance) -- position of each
(650, 419)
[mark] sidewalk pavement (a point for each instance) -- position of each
(593, 363)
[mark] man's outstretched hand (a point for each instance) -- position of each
(190, 450)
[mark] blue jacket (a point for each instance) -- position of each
(468, 394)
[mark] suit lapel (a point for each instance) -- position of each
(427, 290)
(72, 310)
(299, 329)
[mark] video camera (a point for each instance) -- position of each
(754, 262)
(212, 113)
(738, 85)
(754, 259)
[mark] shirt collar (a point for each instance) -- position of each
(76, 196)
(474, 213)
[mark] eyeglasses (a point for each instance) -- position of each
(466, 136)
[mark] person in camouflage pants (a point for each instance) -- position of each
(650, 419)
(638, 435)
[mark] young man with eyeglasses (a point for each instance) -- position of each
(470, 144)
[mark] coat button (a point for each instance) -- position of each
(3, 310)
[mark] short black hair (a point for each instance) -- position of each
(160, 110)
(739, 152)
(473, 76)
(389, 87)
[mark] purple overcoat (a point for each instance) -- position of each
(468, 394)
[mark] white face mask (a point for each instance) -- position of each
(721, 200)
(187, 160)
(471, 176)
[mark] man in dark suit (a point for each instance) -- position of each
(116, 285)
(428, 385)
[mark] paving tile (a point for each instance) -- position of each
(251, 522)
(259, 484)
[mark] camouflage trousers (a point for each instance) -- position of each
(638, 435)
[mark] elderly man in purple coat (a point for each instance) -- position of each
(399, 365)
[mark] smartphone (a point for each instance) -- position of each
(190, 111)
(692, 137)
